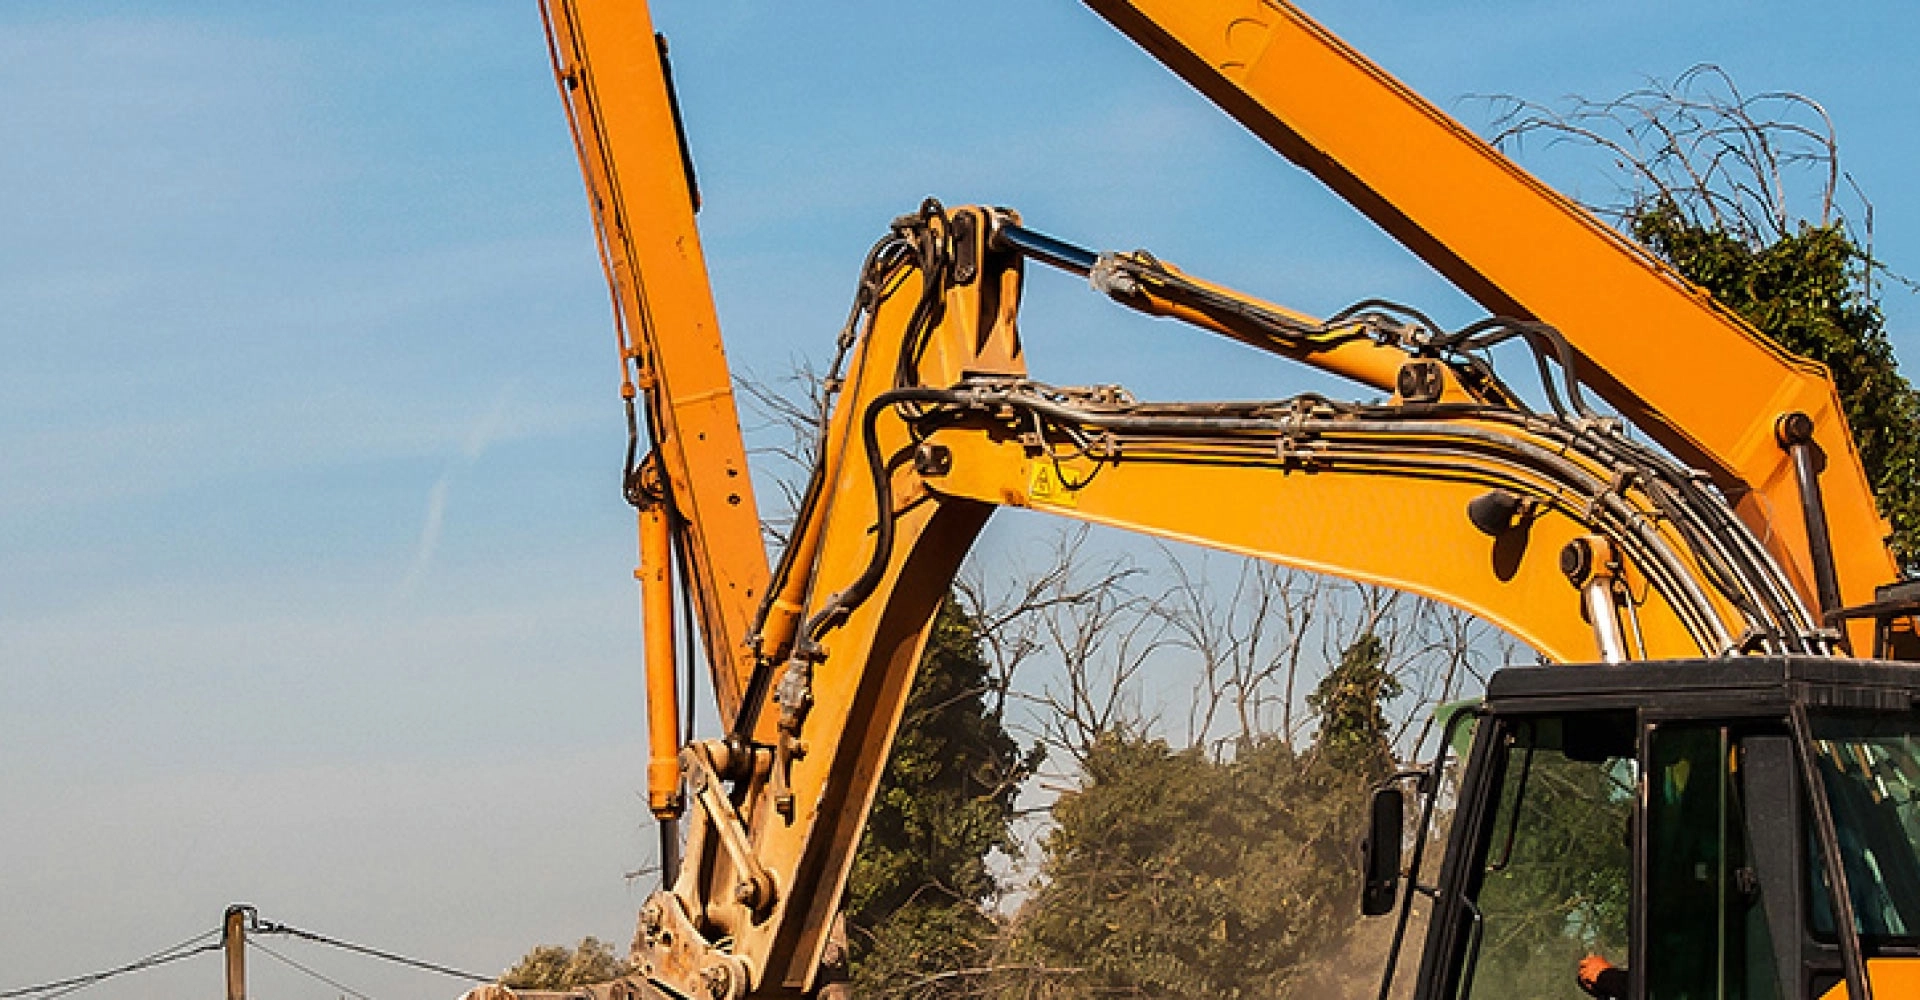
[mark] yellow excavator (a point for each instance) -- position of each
(1727, 716)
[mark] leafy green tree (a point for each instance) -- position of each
(1171, 873)
(558, 967)
(1809, 292)
(914, 904)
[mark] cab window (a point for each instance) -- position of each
(1707, 933)
(1555, 884)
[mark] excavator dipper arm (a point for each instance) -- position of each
(612, 76)
(1644, 335)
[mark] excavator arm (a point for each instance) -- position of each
(1554, 524)
(1689, 373)
(612, 74)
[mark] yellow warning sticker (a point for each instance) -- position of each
(1044, 486)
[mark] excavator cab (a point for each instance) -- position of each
(1687, 821)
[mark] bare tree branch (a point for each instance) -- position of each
(1724, 158)
(793, 412)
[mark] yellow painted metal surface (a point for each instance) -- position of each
(609, 69)
(663, 696)
(1408, 533)
(1362, 360)
(1891, 979)
(859, 690)
(1693, 376)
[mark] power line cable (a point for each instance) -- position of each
(269, 927)
(199, 944)
(146, 963)
(179, 951)
(336, 984)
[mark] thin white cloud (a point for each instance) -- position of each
(429, 542)
(482, 433)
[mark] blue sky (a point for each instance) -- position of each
(314, 580)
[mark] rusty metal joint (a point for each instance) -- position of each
(758, 892)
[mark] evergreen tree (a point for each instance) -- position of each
(1740, 193)
(1351, 702)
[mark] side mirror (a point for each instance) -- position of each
(1381, 851)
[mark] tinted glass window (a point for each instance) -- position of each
(1707, 934)
(1555, 888)
(1870, 766)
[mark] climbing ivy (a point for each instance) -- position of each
(1809, 291)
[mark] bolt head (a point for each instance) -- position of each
(1793, 428)
(719, 981)
(1576, 561)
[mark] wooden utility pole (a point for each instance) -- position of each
(233, 935)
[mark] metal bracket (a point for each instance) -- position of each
(673, 952)
(966, 249)
(755, 890)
